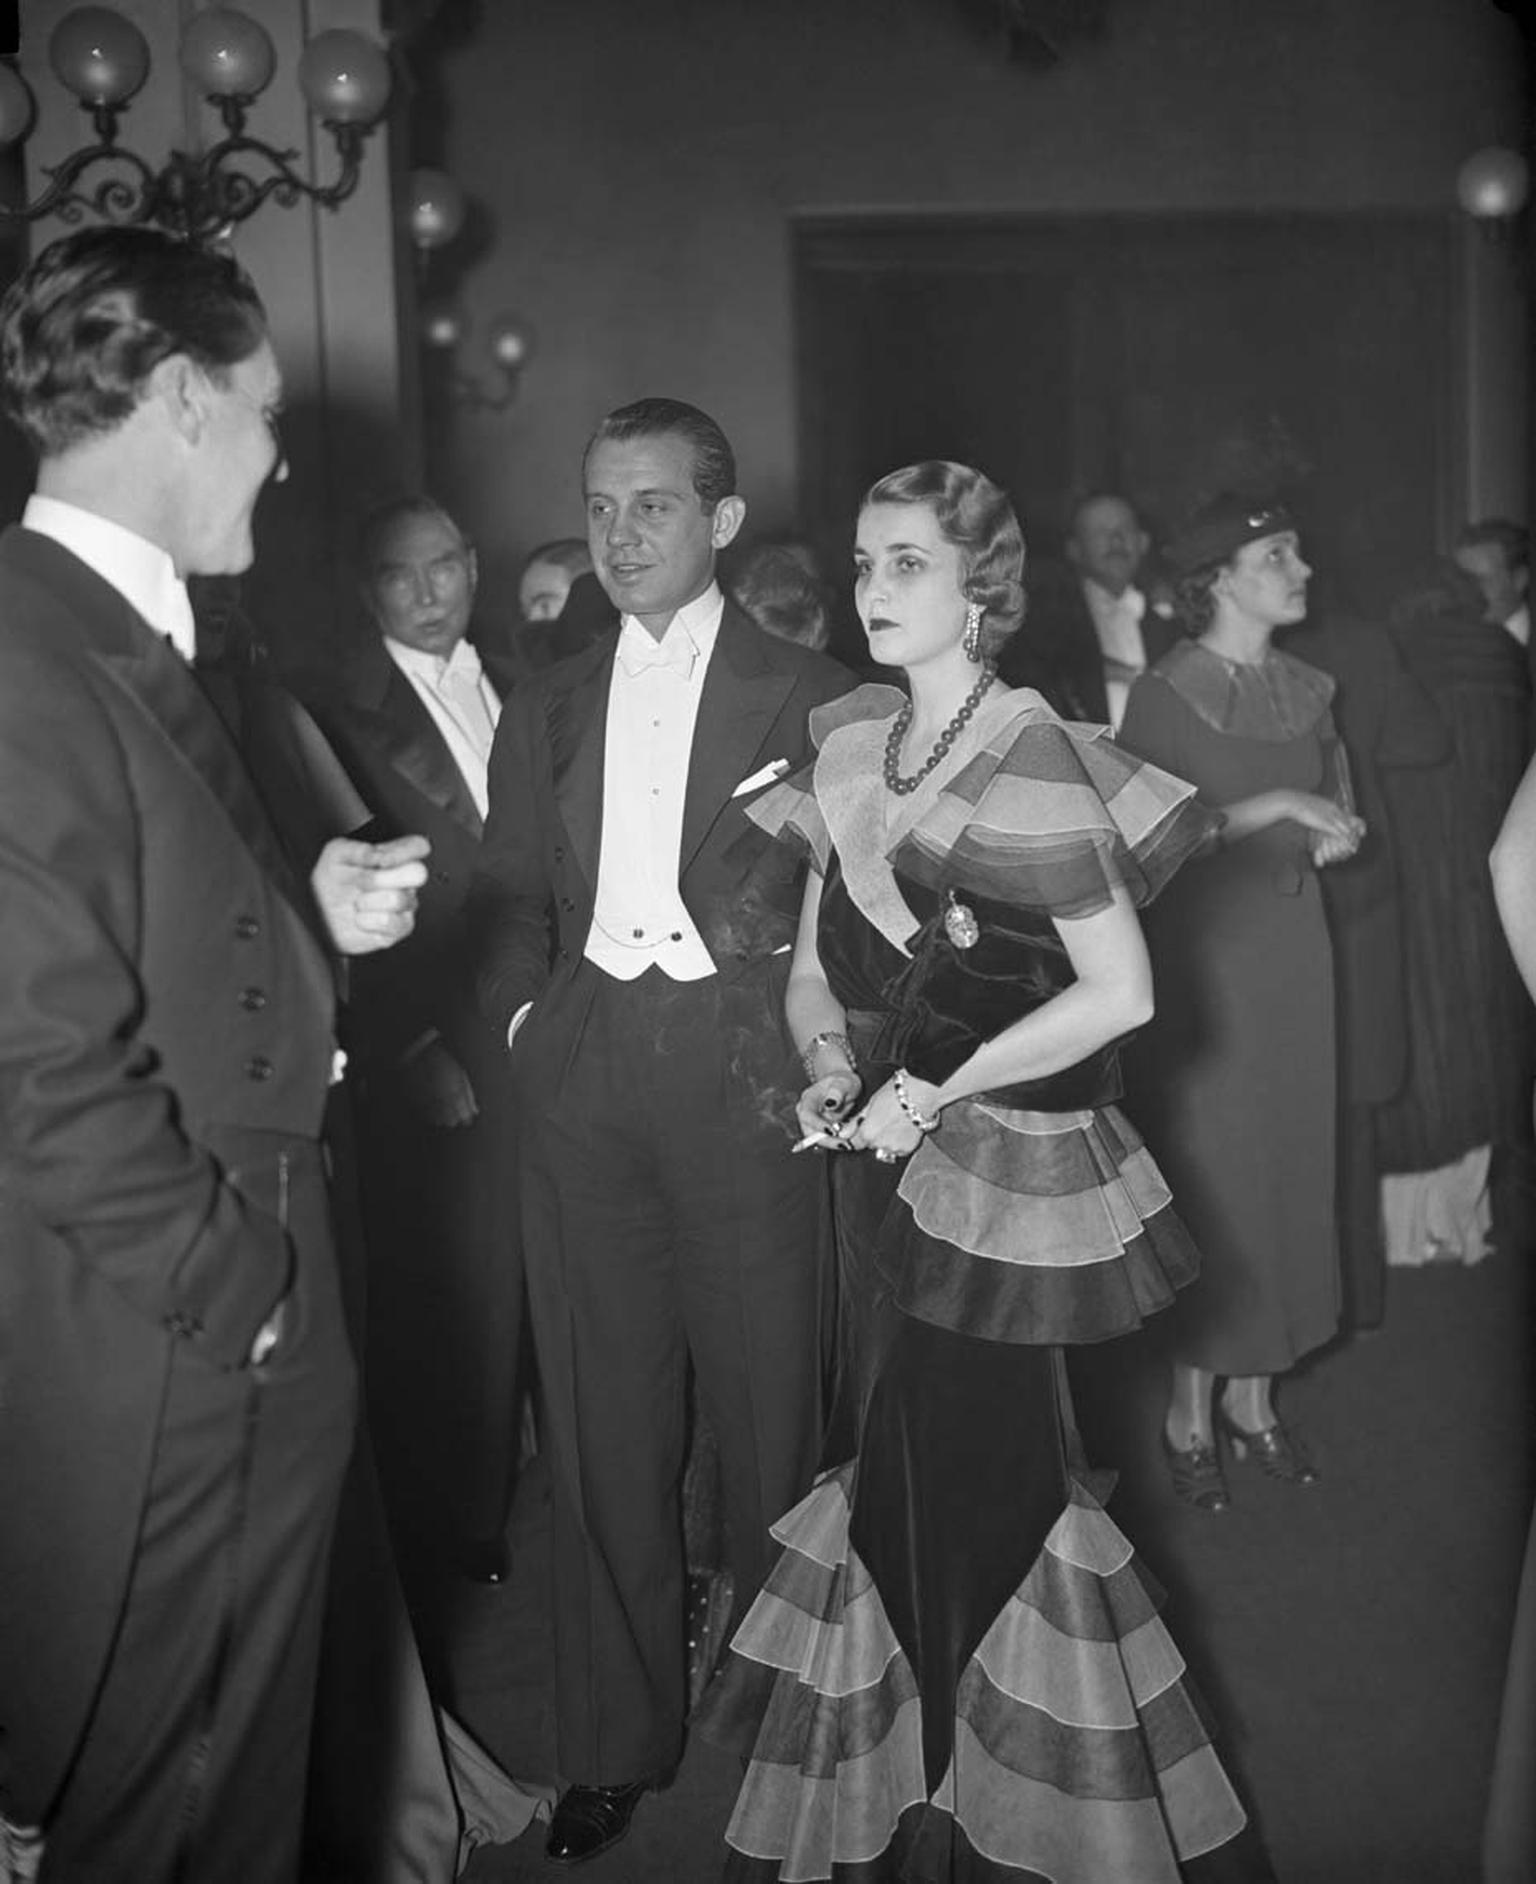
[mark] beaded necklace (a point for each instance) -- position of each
(892, 767)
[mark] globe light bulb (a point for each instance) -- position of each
(436, 208)
(99, 56)
(226, 54)
(510, 341)
(1493, 183)
(15, 106)
(442, 326)
(345, 77)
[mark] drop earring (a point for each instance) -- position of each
(971, 644)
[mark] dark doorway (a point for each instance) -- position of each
(1161, 355)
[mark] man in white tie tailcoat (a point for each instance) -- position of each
(413, 725)
(634, 930)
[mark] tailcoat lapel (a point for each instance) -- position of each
(577, 720)
(742, 697)
(414, 747)
(145, 665)
(167, 689)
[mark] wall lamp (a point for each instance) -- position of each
(1492, 186)
(435, 216)
(103, 59)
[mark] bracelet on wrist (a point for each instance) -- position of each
(925, 1122)
(829, 1038)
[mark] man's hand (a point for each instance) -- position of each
(367, 892)
(439, 1087)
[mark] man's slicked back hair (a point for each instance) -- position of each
(93, 316)
(380, 522)
(714, 463)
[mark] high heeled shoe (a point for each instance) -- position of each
(1197, 1476)
(1276, 1449)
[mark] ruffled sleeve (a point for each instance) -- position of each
(1055, 817)
(789, 811)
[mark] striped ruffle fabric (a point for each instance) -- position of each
(1080, 1755)
(1045, 814)
(1051, 815)
(1035, 1227)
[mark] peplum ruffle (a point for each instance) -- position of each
(1034, 1227)
(1080, 1754)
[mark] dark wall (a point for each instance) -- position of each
(643, 166)
(1168, 357)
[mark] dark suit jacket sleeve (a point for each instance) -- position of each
(93, 1145)
(508, 910)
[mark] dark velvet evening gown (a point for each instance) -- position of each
(955, 1673)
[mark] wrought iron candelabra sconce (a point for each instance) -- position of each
(436, 214)
(103, 59)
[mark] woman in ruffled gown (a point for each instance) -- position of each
(955, 1672)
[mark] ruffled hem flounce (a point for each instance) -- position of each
(1035, 1227)
(1080, 1756)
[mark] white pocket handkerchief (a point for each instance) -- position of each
(759, 779)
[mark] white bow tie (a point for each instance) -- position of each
(641, 651)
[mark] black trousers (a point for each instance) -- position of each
(444, 1314)
(664, 1222)
(193, 1766)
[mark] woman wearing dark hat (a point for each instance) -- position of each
(1236, 1075)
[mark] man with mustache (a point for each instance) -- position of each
(1091, 630)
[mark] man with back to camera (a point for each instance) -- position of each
(413, 724)
(663, 1217)
(177, 1385)
(1091, 631)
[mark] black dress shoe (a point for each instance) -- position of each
(589, 1819)
(484, 1559)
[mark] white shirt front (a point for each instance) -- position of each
(640, 920)
(428, 674)
(1519, 624)
(1117, 623)
(141, 572)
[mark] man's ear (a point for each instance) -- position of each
(730, 515)
(472, 563)
(182, 388)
